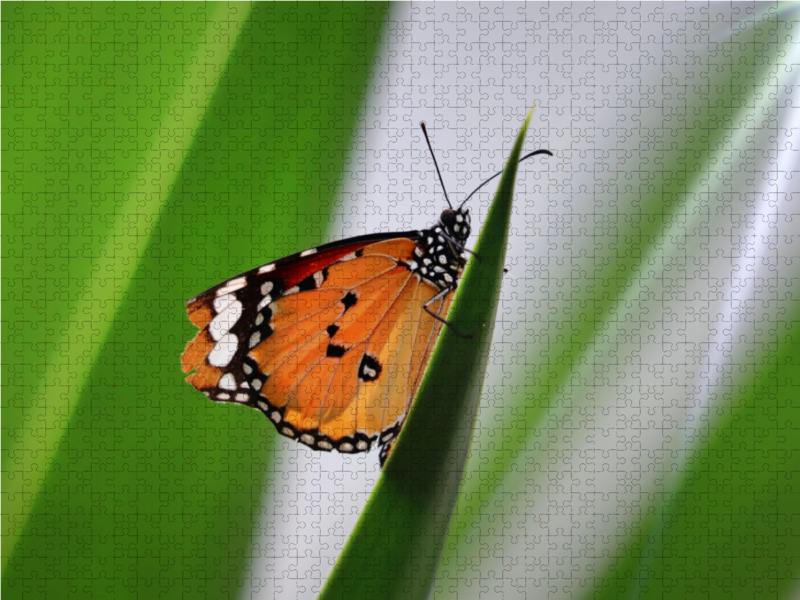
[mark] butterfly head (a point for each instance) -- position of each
(456, 224)
(439, 257)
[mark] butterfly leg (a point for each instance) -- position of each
(455, 329)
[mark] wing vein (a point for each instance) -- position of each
(310, 315)
(315, 336)
(370, 337)
(398, 354)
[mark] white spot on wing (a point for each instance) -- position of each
(266, 287)
(307, 438)
(224, 321)
(308, 252)
(227, 382)
(242, 397)
(266, 269)
(350, 256)
(232, 286)
(222, 302)
(319, 278)
(346, 447)
(291, 290)
(255, 339)
(222, 353)
(264, 302)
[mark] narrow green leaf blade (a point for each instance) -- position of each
(396, 546)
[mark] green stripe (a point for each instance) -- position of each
(152, 490)
(73, 351)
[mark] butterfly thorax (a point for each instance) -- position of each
(439, 257)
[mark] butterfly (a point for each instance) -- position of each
(331, 343)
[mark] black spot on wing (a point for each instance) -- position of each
(335, 351)
(332, 329)
(313, 281)
(349, 300)
(369, 369)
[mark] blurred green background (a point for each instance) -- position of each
(151, 150)
(147, 147)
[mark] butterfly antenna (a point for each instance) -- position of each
(534, 153)
(435, 164)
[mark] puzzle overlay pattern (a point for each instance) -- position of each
(639, 427)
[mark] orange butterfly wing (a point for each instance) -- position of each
(335, 349)
(226, 312)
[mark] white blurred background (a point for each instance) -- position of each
(622, 95)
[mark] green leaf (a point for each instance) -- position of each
(161, 150)
(113, 210)
(395, 548)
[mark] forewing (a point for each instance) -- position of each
(227, 313)
(330, 344)
(337, 366)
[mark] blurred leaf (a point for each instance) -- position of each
(184, 153)
(94, 223)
